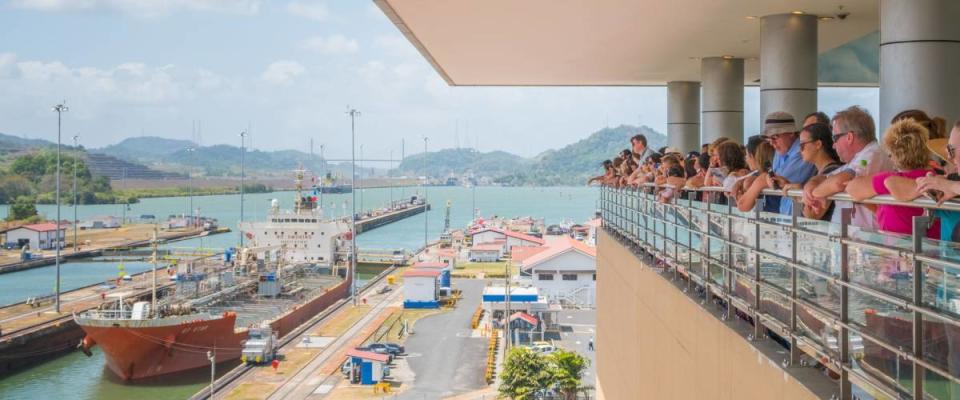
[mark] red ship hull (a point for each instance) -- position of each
(137, 349)
(139, 352)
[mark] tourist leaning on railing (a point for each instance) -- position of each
(747, 191)
(938, 187)
(607, 173)
(781, 130)
(906, 143)
(855, 139)
(816, 148)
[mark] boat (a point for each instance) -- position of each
(210, 311)
(307, 235)
(330, 184)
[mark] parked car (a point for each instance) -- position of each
(385, 348)
(380, 350)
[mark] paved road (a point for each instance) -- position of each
(576, 329)
(445, 359)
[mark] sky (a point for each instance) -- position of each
(287, 70)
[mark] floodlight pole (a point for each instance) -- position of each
(243, 135)
(353, 203)
(76, 198)
(60, 109)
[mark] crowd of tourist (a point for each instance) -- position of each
(820, 157)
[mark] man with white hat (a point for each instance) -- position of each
(780, 130)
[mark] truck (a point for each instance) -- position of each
(260, 347)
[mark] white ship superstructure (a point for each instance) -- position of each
(304, 233)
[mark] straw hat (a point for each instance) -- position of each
(779, 122)
(939, 148)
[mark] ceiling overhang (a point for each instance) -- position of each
(619, 42)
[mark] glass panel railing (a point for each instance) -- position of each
(715, 243)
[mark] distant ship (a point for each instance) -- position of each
(331, 185)
(280, 281)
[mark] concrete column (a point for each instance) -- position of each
(788, 65)
(722, 98)
(919, 59)
(683, 115)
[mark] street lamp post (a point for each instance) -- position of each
(391, 183)
(425, 209)
(60, 109)
(353, 203)
(193, 221)
(322, 162)
(243, 135)
(362, 188)
(213, 371)
(76, 197)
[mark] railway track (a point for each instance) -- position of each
(230, 380)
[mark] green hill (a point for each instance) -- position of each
(146, 149)
(460, 161)
(575, 163)
(569, 165)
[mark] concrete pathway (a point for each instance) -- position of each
(445, 357)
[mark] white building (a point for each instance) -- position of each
(421, 287)
(566, 272)
(35, 236)
(511, 238)
(486, 252)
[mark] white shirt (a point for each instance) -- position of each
(868, 161)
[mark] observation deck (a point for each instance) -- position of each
(732, 304)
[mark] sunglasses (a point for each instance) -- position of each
(803, 143)
(839, 136)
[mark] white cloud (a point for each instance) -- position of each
(397, 45)
(333, 44)
(315, 10)
(283, 72)
(147, 8)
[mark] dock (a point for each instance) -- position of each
(67, 253)
(370, 223)
(32, 333)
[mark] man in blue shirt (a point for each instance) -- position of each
(780, 129)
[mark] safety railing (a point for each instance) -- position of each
(881, 311)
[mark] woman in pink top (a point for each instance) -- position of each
(906, 144)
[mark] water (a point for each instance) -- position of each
(76, 376)
(17, 286)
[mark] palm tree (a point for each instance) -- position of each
(566, 370)
(525, 375)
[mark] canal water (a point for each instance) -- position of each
(76, 376)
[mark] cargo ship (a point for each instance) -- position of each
(281, 283)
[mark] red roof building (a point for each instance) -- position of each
(368, 355)
(413, 272)
(525, 317)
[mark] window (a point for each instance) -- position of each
(594, 276)
(545, 277)
(569, 277)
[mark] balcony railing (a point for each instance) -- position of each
(840, 298)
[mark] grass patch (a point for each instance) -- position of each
(343, 321)
(488, 269)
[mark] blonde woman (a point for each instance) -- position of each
(906, 144)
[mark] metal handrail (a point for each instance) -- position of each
(637, 216)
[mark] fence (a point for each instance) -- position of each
(845, 298)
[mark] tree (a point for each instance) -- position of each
(566, 370)
(23, 208)
(526, 374)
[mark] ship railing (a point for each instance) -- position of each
(846, 298)
(106, 314)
